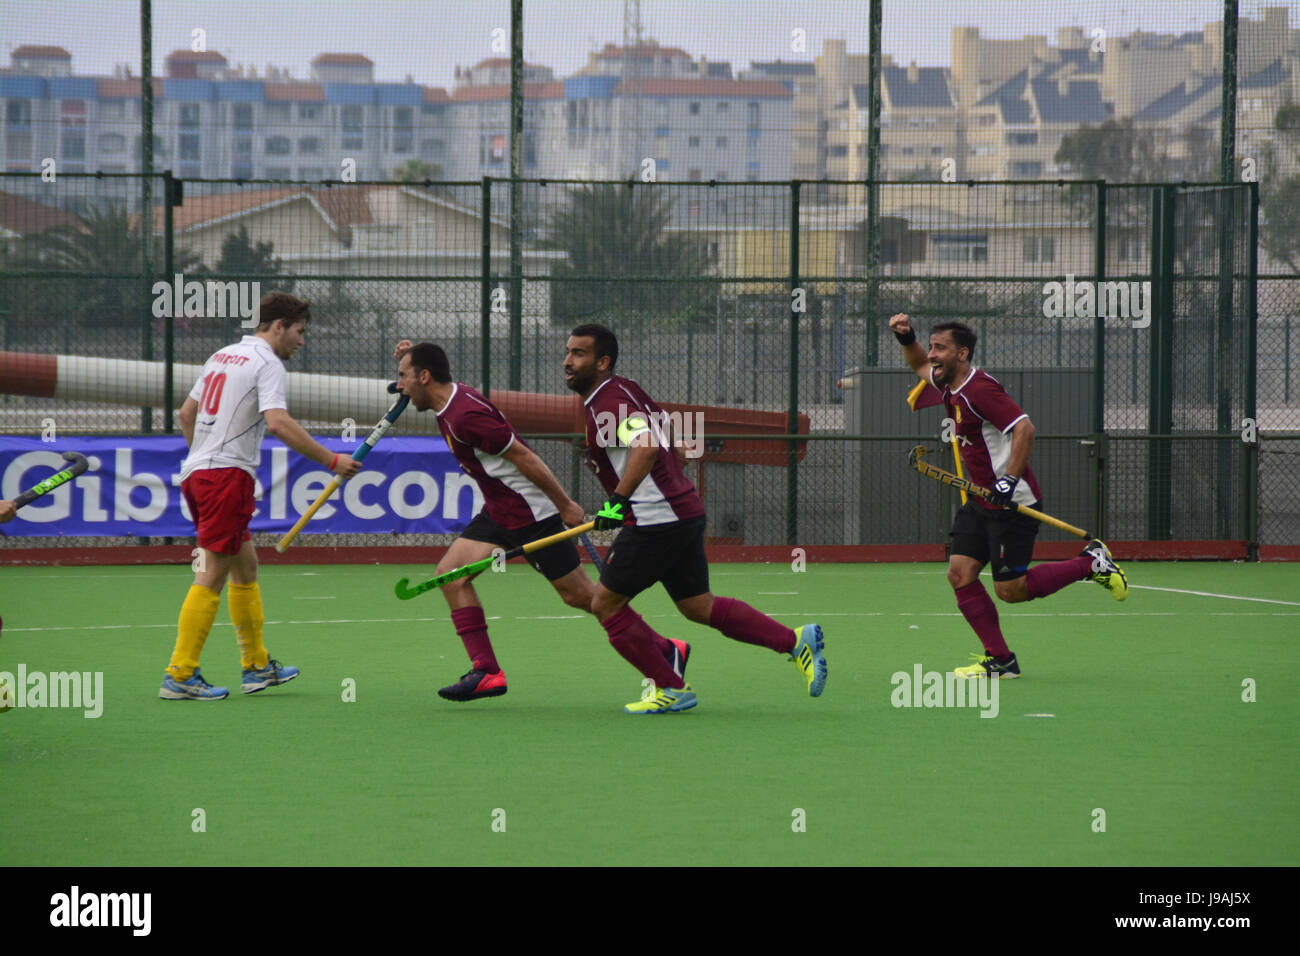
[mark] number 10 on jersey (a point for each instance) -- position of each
(210, 400)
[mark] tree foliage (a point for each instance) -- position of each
(97, 267)
(240, 256)
(622, 257)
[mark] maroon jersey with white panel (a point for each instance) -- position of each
(984, 415)
(479, 436)
(617, 411)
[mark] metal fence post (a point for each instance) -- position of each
(516, 338)
(1099, 361)
(875, 15)
(146, 190)
(792, 459)
(1250, 454)
(1160, 396)
(485, 286)
(171, 198)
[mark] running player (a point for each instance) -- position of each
(995, 437)
(239, 396)
(522, 501)
(661, 539)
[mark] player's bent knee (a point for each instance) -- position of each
(1012, 592)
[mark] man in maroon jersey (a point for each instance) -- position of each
(995, 437)
(522, 501)
(662, 535)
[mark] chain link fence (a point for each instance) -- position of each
(701, 283)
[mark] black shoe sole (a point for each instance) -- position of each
(494, 692)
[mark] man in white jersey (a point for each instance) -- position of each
(240, 395)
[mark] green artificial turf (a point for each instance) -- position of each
(1149, 726)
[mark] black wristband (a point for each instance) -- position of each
(905, 338)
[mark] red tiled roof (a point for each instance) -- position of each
(347, 206)
(736, 88)
(41, 52)
(27, 218)
(197, 210)
(344, 205)
(434, 94)
(298, 92)
(501, 91)
(613, 51)
(350, 59)
(126, 89)
(193, 56)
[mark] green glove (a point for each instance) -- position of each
(613, 513)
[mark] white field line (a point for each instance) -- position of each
(1230, 597)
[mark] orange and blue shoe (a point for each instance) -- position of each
(474, 685)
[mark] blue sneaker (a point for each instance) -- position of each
(807, 657)
(196, 688)
(273, 673)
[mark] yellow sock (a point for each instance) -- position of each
(197, 614)
(246, 612)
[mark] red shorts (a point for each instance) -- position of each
(221, 505)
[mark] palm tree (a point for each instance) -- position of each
(618, 235)
(97, 267)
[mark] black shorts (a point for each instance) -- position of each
(554, 561)
(643, 555)
(1005, 537)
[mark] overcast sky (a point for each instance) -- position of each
(427, 39)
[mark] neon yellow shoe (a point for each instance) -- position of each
(664, 700)
(986, 665)
(808, 658)
(1105, 571)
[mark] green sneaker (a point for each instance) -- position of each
(1105, 571)
(986, 665)
(807, 657)
(664, 700)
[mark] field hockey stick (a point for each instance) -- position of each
(359, 455)
(591, 552)
(405, 592)
(78, 465)
(917, 459)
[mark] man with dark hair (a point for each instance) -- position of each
(240, 395)
(995, 437)
(522, 501)
(661, 537)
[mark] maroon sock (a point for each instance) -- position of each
(1045, 579)
(740, 622)
(982, 615)
(641, 647)
(471, 625)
